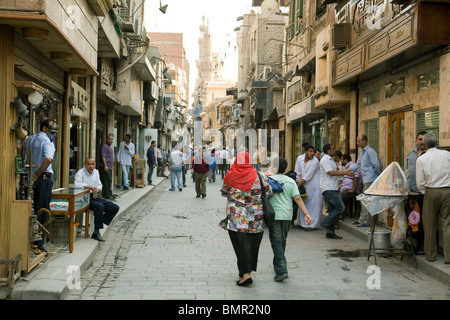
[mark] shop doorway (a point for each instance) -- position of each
(99, 140)
(78, 146)
(396, 137)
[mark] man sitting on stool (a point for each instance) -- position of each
(104, 211)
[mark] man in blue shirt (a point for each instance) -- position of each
(370, 169)
(41, 148)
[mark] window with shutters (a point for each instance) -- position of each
(298, 16)
(292, 20)
(428, 121)
(371, 129)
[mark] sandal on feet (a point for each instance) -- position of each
(363, 225)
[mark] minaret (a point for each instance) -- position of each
(204, 63)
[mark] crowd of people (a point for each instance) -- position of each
(335, 180)
(332, 179)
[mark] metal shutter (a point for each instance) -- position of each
(371, 129)
(428, 121)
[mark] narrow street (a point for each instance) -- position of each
(169, 246)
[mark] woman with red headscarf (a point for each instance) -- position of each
(244, 221)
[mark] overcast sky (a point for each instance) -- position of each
(185, 16)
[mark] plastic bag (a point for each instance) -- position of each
(400, 225)
(391, 182)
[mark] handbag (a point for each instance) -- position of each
(277, 186)
(268, 211)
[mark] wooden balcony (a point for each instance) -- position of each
(408, 37)
(65, 33)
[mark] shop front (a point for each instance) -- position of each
(304, 124)
(38, 60)
(396, 74)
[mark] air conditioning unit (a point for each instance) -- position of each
(126, 21)
(339, 36)
(138, 26)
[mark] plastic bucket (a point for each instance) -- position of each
(381, 239)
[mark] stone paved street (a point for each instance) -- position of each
(170, 247)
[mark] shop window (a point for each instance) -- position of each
(313, 133)
(429, 79)
(371, 130)
(428, 121)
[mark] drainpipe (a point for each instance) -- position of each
(132, 64)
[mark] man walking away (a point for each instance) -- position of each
(175, 166)
(282, 204)
(212, 166)
(224, 156)
(200, 168)
(433, 180)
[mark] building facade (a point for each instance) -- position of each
(92, 65)
(366, 67)
(172, 114)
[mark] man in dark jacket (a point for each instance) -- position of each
(151, 161)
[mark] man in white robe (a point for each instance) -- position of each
(299, 161)
(310, 179)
